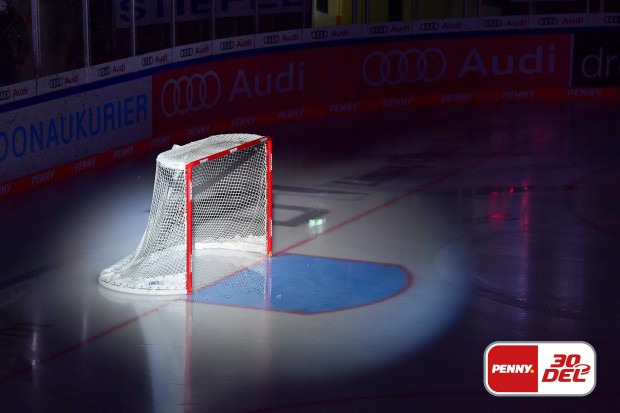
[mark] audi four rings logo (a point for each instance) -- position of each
(319, 34)
(5, 94)
(273, 39)
(55, 82)
(611, 19)
(229, 45)
(548, 21)
(190, 93)
(492, 23)
(383, 29)
(147, 61)
(429, 26)
(187, 52)
(411, 66)
(104, 71)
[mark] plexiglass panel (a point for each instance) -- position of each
(61, 36)
(110, 30)
(16, 57)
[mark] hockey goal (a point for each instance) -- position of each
(210, 195)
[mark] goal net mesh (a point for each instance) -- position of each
(228, 212)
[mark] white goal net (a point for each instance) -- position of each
(212, 194)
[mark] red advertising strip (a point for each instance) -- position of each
(86, 164)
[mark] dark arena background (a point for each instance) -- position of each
(445, 177)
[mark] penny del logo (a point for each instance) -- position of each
(540, 368)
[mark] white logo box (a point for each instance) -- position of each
(563, 368)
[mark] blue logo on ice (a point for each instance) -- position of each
(307, 285)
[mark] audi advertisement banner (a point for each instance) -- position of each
(387, 29)
(282, 38)
(60, 81)
(450, 69)
(19, 91)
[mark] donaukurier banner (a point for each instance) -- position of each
(63, 130)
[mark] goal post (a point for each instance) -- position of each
(210, 195)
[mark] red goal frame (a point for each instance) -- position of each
(189, 198)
